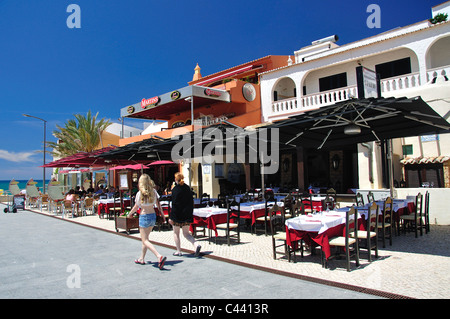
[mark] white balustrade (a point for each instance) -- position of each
(443, 71)
(316, 100)
(406, 81)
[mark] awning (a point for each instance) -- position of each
(425, 160)
(373, 119)
(88, 159)
(134, 167)
(164, 106)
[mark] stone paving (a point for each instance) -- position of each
(411, 267)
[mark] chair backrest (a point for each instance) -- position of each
(233, 208)
(269, 195)
(88, 201)
(273, 219)
(418, 211)
(68, 204)
(351, 224)
(44, 198)
(387, 210)
(370, 197)
(331, 192)
(306, 199)
(372, 218)
(298, 209)
(328, 203)
(205, 197)
(426, 207)
(359, 199)
(288, 203)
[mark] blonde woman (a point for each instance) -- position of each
(146, 199)
(181, 214)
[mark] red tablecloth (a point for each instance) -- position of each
(105, 207)
(210, 222)
(310, 238)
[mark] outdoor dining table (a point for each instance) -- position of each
(317, 229)
(106, 204)
(253, 210)
(399, 207)
(209, 217)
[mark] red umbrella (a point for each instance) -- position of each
(131, 166)
(161, 163)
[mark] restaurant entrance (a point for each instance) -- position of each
(331, 168)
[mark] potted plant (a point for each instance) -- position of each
(123, 222)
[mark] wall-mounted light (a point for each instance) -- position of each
(335, 161)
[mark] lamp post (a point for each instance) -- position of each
(45, 126)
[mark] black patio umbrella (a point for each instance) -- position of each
(361, 120)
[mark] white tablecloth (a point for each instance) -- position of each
(319, 222)
(206, 212)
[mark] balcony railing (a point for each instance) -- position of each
(401, 82)
(443, 71)
(328, 97)
(284, 108)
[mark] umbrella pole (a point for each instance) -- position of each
(391, 169)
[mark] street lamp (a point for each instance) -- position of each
(45, 125)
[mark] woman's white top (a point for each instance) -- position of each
(146, 207)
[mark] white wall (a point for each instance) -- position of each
(439, 202)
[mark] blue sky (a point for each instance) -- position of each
(129, 49)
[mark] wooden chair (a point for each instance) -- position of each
(359, 200)
(264, 219)
(386, 222)
(298, 209)
(288, 204)
(306, 199)
(233, 211)
(274, 221)
(350, 244)
(371, 232)
(116, 208)
(328, 203)
(426, 212)
(166, 207)
(414, 221)
(205, 199)
(370, 197)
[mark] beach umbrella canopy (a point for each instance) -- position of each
(130, 166)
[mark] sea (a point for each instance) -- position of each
(4, 184)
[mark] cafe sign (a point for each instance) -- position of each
(152, 102)
(213, 93)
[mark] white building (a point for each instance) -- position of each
(412, 61)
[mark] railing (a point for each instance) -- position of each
(406, 81)
(311, 101)
(329, 97)
(443, 71)
(283, 106)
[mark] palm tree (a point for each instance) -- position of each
(79, 135)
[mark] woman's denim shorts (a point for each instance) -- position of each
(147, 220)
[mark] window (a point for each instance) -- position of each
(424, 174)
(393, 68)
(333, 82)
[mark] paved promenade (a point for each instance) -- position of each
(410, 268)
